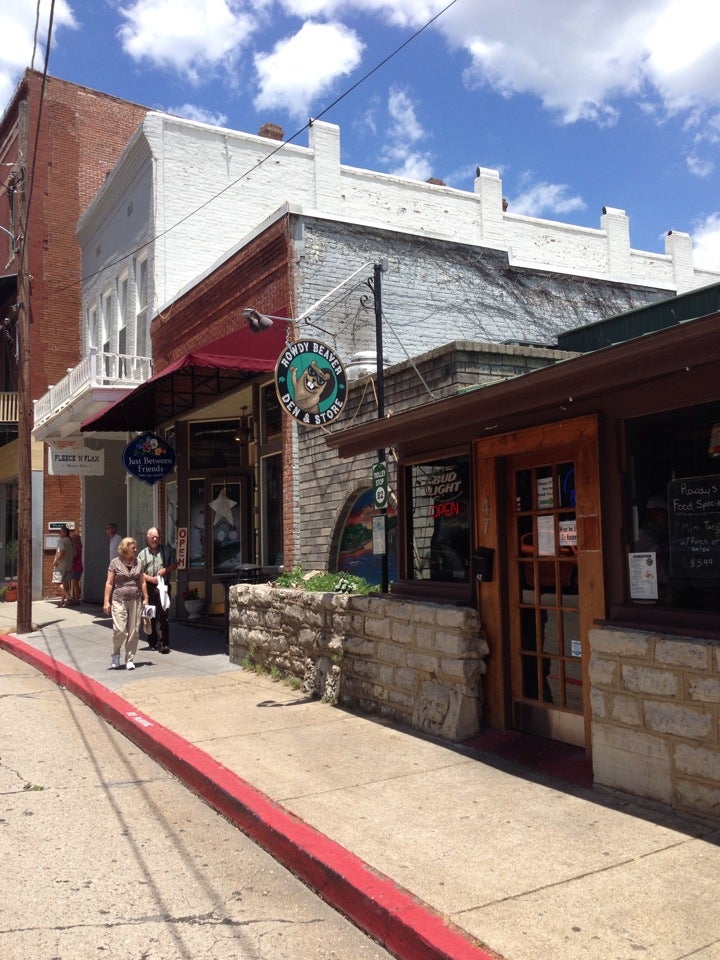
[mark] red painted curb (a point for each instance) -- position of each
(404, 925)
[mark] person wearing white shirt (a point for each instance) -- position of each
(114, 537)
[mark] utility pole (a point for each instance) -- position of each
(380, 387)
(25, 407)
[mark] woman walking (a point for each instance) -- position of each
(125, 594)
(77, 568)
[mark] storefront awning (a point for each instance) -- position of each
(195, 379)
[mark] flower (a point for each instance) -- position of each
(190, 593)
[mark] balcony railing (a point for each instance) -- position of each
(94, 371)
(8, 408)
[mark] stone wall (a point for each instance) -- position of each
(655, 717)
(414, 663)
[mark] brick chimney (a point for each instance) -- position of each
(272, 131)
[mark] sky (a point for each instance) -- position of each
(579, 104)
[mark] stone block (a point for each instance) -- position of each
(425, 638)
(401, 631)
(390, 653)
(626, 710)
(377, 628)
(682, 653)
(602, 672)
(619, 643)
(698, 798)
(631, 761)
(445, 711)
(359, 646)
(649, 680)
(677, 721)
(598, 705)
(419, 661)
(698, 762)
(405, 678)
(704, 689)
(455, 644)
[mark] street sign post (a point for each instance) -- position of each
(380, 485)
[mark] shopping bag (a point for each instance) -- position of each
(164, 593)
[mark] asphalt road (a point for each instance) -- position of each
(103, 854)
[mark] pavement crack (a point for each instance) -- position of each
(575, 877)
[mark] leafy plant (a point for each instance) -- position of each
(191, 593)
(325, 582)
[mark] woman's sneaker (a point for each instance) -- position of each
(115, 663)
(130, 665)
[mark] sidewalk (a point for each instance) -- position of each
(436, 851)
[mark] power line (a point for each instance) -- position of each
(270, 155)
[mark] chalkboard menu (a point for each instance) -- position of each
(694, 526)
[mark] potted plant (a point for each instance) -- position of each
(10, 592)
(193, 603)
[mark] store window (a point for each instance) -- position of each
(439, 520)
(215, 445)
(270, 476)
(674, 509)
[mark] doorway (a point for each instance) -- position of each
(545, 646)
(537, 497)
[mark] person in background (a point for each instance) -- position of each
(64, 556)
(115, 538)
(654, 537)
(77, 568)
(157, 560)
(125, 594)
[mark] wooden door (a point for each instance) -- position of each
(538, 505)
(546, 667)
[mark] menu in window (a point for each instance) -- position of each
(643, 576)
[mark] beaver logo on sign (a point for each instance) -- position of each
(310, 382)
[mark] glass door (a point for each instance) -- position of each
(544, 618)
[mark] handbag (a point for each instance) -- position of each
(57, 576)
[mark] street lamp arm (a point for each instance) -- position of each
(261, 321)
(322, 300)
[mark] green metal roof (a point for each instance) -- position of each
(642, 320)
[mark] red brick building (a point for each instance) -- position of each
(58, 142)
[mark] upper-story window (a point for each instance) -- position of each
(106, 311)
(122, 301)
(94, 328)
(142, 345)
(141, 285)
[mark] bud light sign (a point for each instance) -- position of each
(149, 458)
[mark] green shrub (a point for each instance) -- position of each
(325, 582)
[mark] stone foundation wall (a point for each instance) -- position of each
(655, 717)
(415, 663)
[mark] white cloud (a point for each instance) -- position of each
(706, 243)
(191, 36)
(404, 133)
(580, 58)
(540, 199)
(17, 29)
(698, 166)
(189, 111)
(303, 67)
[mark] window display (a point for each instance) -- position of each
(439, 520)
(674, 506)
